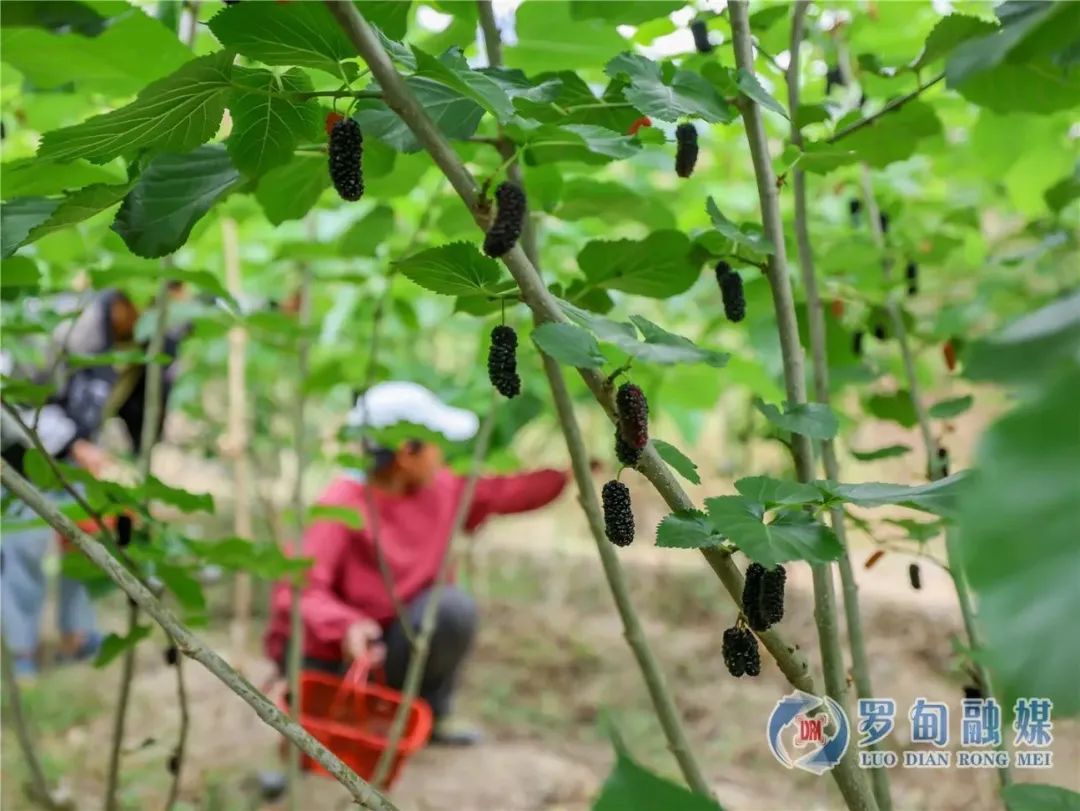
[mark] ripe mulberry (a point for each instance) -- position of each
(973, 691)
(834, 77)
(173, 764)
(633, 410)
(701, 37)
(687, 151)
(346, 150)
(123, 530)
(914, 576)
(883, 219)
(763, 596)
(502, 361)
(854, 208)
(740, 652)
(912, 278)
(172, 655)
(618, 518)
(509, 219)
(626, 454)
(731, 291)
(856, 342)
(880, 331)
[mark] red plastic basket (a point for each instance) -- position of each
(351, 717)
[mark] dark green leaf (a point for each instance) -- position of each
(288, 192)
(452, 70)
(658, 266)
(570, 345)
(170, 196)
(582, 143)
(749, 236)
(772, 492)
(303, 34)
(457, 269)
(898, 408)
(948, 33)
(939, 497)
(792, 535)
(819, 159)
(174, 114)
(1040, 797)
(1034, 347)
(667, 348)
(670, 95)
(456, 115)
(21, 216)
(814, 420)
(78, 206)
(895, 136)
(752, 89)
(113, 645)
(680, 462)
(687, 529)
(185, 501)
(187, 590)
(954, 407)
(887, 452)
(268, 120)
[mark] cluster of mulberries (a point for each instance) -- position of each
(123, 530)
(912, 278)
(509, 220)
(172, 655)
(626, 453)
(731, 291)
(618, 518)
(763, 596)
(686, 151)
(346, 150)
(740, 652)
(914, 576)
(633, 411)
(701, 37)
(502, 361)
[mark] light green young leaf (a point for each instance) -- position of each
(183, 500)
(365, 235)
(268, 120)
(570, 345)
(680, 462)
(337, 514)
(687, 529)
(815, 420)
(174, 114)
(113, 645)
(34, 177)
(457, 269)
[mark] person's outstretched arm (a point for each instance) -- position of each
(327, 617)
(522, 492)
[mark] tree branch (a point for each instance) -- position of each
(545, 308)
(892, 106)
(860, 667)
(190, 645)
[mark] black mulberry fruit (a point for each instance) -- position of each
(912, 278)
(943, 464)
(346, 149)
(883, 218)
(740, 652)
(973, 691)
(856, 342)
(914, 576)
(633, 410)
(618, 518)
(502, 361)
(626, 453)
(173, 764)
(763, 596)
(701, 37)
(834, 77)
(854, 208)
(509, 219)
(172, 655)
(880, 331)
(687, 150)
(731, 291)
(123, 530)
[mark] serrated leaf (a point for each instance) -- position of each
(113, 645)
(338, 514)
(289, 192)
(887, 452)
(174, 114)
(668, 94)
(954, 407)
(268, 120)
(21, 216)
(748, 236)
(687, 529)
(170, 196)
(948, 33)
(457, 269)
(792, 535)
(680, 462)
(815, 420)
(658, 266)
(581, 143)
(938, 497)
(772, 492)
(452, 70)
(667, 348)
(454, 114)
(752, 89)
(570, 345)
(303, 34)
(78, 206)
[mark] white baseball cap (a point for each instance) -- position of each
(386, 404)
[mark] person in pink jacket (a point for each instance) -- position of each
(346, 609)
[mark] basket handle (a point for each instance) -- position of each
(355, 676)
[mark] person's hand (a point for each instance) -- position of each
(364, 639)
(89, 457)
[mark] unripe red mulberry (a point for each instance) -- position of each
(123, 530)
(914, 576)
(509, 219)
(763, 596)
(687, 150)
(618, 517)
(346, 150)
(633, 411)
(502, 361)
(731, 291)
(624, 452)
(912, 274)
(740, 652)
(701, 37)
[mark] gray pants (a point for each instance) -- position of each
(23, 586)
